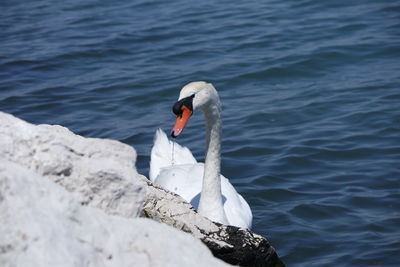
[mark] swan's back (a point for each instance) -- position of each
(161, 154)
(186, 181)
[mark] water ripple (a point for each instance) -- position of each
(310, 94)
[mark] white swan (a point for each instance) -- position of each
(200, 184)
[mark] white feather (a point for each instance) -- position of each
(186, 181)
(161, 154)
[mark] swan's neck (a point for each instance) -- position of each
(211, 202)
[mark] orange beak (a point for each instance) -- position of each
(181, 121)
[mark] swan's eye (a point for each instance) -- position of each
(176, 108)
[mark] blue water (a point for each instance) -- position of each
(310, 92)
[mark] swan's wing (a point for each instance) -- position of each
(161, 154)
(184, 180)
(236, 208)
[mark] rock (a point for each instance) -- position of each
(44, 225)
(100, 172)
(234, 245)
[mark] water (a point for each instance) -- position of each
(310, 92)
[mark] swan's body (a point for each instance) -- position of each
(185, 178)
(200, 184)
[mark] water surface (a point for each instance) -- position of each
(310, 93)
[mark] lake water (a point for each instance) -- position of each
(310, 92)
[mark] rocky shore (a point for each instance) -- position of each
(66, 200)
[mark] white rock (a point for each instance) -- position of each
(100, 172)
(43, 225)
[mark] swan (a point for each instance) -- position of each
(174, 168)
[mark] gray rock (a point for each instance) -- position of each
(100, 172)
(44, 225)
(234, 245)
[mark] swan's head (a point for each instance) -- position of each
(195, 95)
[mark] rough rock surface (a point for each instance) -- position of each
(234, 245)
(100, 172)
(44, 225)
